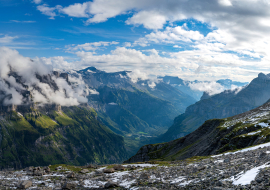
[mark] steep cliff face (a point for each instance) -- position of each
(51, 135)
(225, 104)
(213, 137)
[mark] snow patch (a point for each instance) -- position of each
(249, 176)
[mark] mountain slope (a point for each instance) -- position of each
(214, 137)
(51, 136)
(225, 104)
(130, 107)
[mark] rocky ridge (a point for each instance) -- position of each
(243, 169)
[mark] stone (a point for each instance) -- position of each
(25, 184)
(84, 171)
(263, 154)
(111, 185)
(58, 168)
(119, 168)
(47, 169)
(31, 168)
(71, 175)
(144, 176)
(110, 170)
(69, 185)
(37, 173)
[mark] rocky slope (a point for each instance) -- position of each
(244, 169)
(214, 136)
(225, 104)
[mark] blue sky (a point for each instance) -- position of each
(203, 40)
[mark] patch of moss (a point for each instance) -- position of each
(196, 158)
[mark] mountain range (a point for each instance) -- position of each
(222, 105)
(80, 117)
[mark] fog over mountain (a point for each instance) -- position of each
(19, 75)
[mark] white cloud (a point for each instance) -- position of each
(149, 19)
(27, 70)
(49, 11)
(225, 2)
(136, 75)
(170, 35)
(93, 91)
(23, 21)
(7, 39)
(210, 87)
(76, 10)
(238, 44)
(89, 46)
(37, 1)
(58, 62)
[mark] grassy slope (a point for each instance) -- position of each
(73, 136)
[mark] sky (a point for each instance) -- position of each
(191, 39)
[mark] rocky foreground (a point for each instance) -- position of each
(244, 169)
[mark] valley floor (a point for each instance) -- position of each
(244, 169)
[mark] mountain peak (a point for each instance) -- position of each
(91, 68)
(264, 76)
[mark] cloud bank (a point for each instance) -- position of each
(20, 75)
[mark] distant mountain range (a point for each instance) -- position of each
(128, 107)
(225, 104)
(185, 86)
(139, 110)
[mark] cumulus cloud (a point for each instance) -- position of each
(137, 75)
(210, 87)
(149, 19)
(58, 62)
(49, 11)
(237, 44)
(20, 75)
(76, 10)
(170, 35)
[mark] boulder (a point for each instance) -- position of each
(84, 171)
(119, 168)
(25, 184)
(111, 185)
(69, 185)
(71, 175)
(110, 170)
